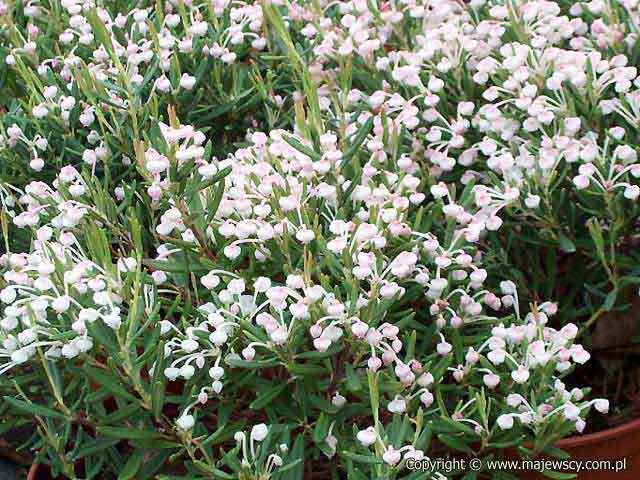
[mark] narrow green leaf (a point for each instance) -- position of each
(110, 382)
(34, 409)
(267, 397)
(566, 244)
(95, 446)
(129, 433)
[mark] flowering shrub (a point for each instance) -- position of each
(262, 240)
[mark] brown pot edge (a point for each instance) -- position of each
(33, 472)
(601, 436)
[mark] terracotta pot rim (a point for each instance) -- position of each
(33, 471)
(598, 437)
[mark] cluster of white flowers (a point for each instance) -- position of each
(251, 453)
(52, 296)
(524, 351)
